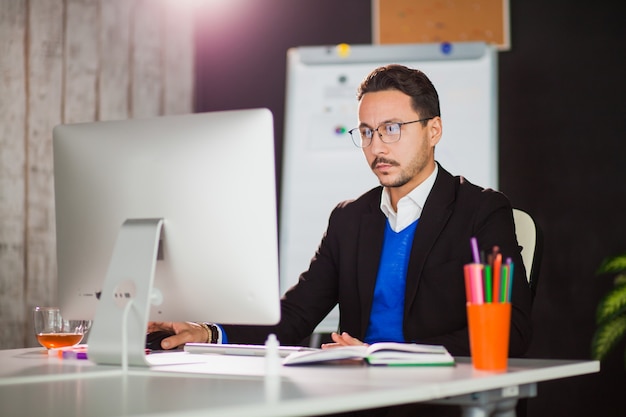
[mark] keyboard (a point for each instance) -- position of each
(241, 349)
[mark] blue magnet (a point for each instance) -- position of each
(446, 48)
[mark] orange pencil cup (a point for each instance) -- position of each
(489, 326)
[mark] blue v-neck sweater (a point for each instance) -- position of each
(387, 312)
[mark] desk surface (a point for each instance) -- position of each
(32, 383)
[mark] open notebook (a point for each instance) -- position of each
(382, 353)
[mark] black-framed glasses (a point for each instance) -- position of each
(362, 136)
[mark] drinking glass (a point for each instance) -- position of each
(53, 331)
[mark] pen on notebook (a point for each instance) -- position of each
(71, 354)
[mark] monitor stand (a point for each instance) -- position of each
(118, 334)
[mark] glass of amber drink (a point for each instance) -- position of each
(53, 331)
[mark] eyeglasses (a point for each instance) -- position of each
(362, 136)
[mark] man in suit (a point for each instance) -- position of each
(393, 258)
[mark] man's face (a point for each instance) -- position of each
(404, 164)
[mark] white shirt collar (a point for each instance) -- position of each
(410, 206)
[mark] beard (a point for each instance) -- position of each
(416, 165)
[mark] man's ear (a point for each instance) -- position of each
(435, 130)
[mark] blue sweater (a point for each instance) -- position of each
(387, 313)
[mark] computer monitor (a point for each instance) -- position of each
(166, 219)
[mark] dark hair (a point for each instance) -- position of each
(412, 82)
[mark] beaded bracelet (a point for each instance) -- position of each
(212, 332)
(209, 334)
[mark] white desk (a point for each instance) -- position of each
(33, 384)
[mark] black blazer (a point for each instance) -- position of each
(345, 266)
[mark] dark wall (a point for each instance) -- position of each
(562, 146)
(241, 49)
(563, 158)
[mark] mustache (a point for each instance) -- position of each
(381, 160)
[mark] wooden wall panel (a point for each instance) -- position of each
(147, 61)
(179, 69)
(45, 80)
(66, 61)
(114, 79)
(81, 61)
(12, 160)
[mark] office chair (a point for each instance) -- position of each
(530, 240)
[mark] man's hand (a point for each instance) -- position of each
(343, 339)
(184, 332)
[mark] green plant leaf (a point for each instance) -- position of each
(613, 264)
(612, 304)
(607, 336)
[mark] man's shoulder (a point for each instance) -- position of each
(459, 189)
(469, 196)
(364, 201)
(349, 213)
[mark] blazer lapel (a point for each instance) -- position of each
(437, 210)
(372, 231)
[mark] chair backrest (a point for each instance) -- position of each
(530, 239)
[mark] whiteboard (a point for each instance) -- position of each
(322, 167)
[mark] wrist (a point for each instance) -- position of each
(207, 329)
(211, 331)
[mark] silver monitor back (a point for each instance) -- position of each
(209, 176)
